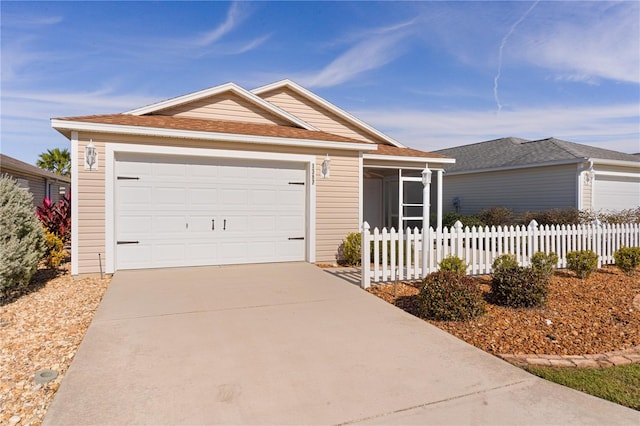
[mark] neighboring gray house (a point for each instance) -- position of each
(41, 183)
(538, 175)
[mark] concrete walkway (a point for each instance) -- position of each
(290, 344)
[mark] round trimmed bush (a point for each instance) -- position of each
(454, 264)
(350, 251)
(544, 263)
(519, 287)
(582, 262)
(22, 237)
(447, 296)
(627, 259)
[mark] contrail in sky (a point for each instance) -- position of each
(502, 44)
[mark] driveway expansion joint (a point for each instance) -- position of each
(607, 359)
(439, 401)
(201, 311)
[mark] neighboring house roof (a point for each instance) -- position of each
(215, 126)
(8, 164)
(513, 152)
(286, 83)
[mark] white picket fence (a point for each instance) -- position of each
(398, 255)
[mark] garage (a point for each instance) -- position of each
(616, 192)
(175, 211)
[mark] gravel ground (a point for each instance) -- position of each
(41, 329)
(582, 317)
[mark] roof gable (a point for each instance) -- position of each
(226, 101)
(319, 112)
(516, 152)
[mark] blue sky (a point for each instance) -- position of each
(430, 74)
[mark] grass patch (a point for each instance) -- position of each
(620, 384)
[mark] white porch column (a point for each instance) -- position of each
(426, 204)
(439, 214)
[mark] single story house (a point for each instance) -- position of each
(41, 183)
(537, 175)
(227, 175)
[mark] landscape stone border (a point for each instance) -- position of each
(608, 359)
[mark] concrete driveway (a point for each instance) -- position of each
(290, 344)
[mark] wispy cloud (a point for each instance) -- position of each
(374, 49)
(234, 16)
(602, 41)
(502, 44)
(614, 126)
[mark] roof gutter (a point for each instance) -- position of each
(211, 136)
(421, 160)
(520, 166)
(622, 163)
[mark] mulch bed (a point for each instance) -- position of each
(582, 317)
(41, 327)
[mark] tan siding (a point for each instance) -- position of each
(317, 116)
(228, 107)
(530, 189)
(337, 205)
(336, 197)
(91, 208)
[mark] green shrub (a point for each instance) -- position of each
(627, 259)
(447, 296)
(453, 264)
(622, 216)
(582, 262)
(450, 219)
(21, 235)
(504, 261)
(350, 251)
(519, 287)
(569, 216)
(56, 218)
(55, 253)
(497, 216)
(544, 263)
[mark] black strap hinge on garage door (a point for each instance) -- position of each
(296, 183)
(128, 242)
(128, 178)
(296, 238)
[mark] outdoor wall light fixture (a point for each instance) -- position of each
(426, 176)
(326, 167)
(90, 156)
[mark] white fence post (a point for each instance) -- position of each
(365, 264)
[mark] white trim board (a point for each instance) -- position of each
(111, 149)
(74, 203)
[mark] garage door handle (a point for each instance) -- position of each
(224, 225)
(213, 224)
(128, 242)
(296, 238)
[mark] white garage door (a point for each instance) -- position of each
(616, 193)
(186, 211)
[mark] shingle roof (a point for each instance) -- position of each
(215, 126)
(404, 152)
(510, 152)
(7, 162)
(241, 128)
